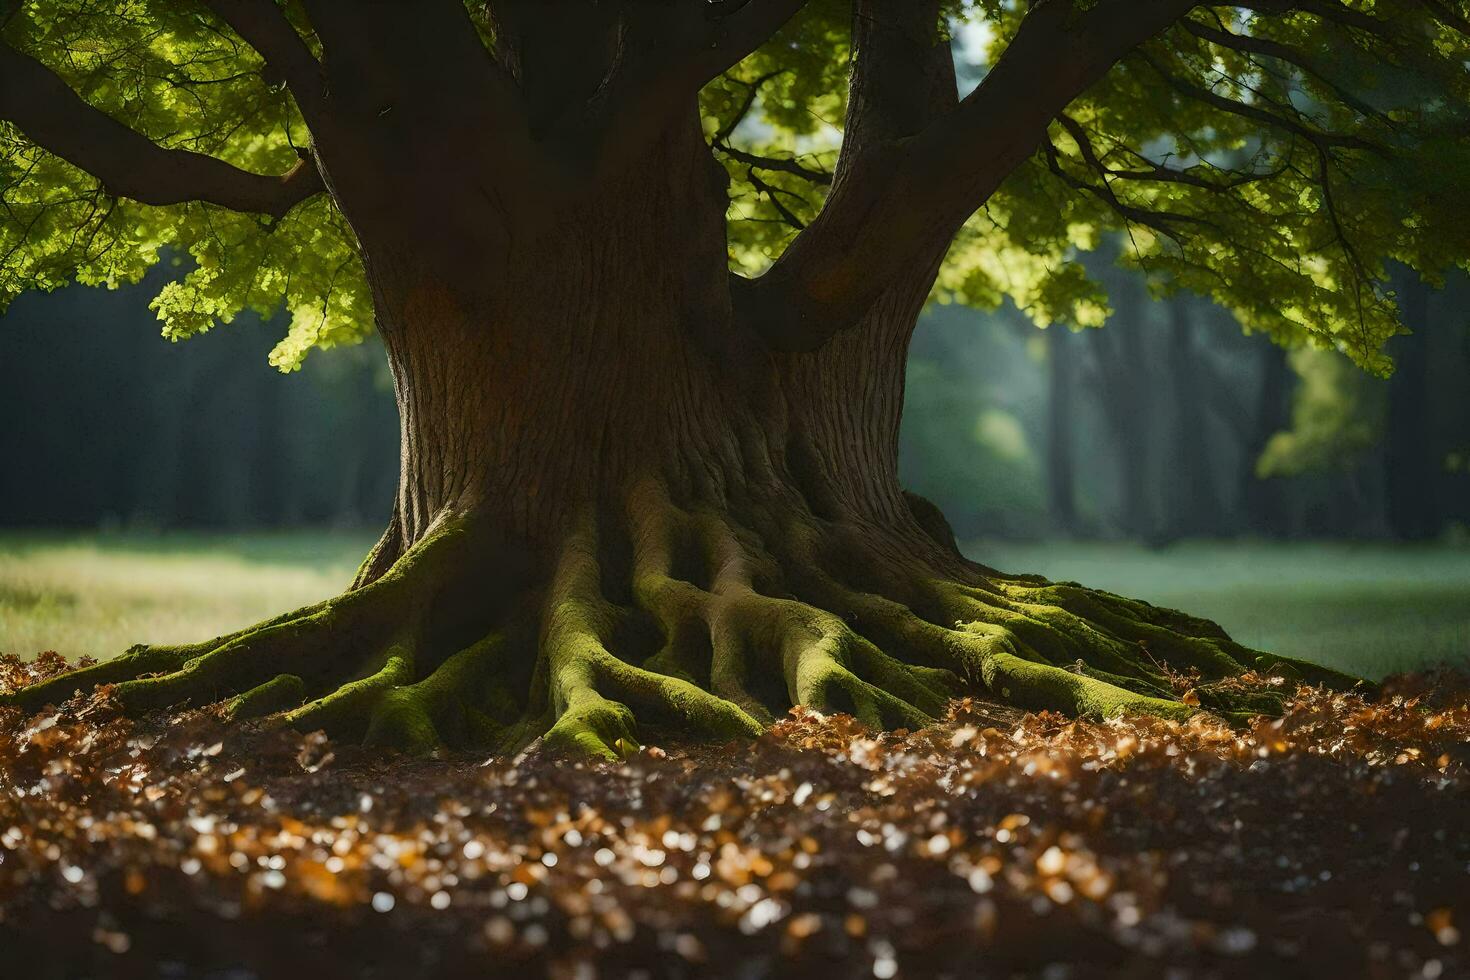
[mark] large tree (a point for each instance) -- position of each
(646, 273)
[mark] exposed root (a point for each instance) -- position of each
(751, 639)
(672, 621)
(593, 694)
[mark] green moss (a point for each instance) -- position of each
(138, 661)
(594, 726)
(443, 708)
(348, 710)
(280, 693)
(1042, 687)
(727, 658)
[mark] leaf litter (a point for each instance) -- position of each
(1333, 840)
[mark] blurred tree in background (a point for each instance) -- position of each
(107, 425)
(1170, 424)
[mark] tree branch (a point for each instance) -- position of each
(907, 198)
(773, 194)
(1159, 221)
(1328, 10)
(1449, 16)
(128, 163)
(1157, 171)
(1265, 47)
(1317, 137)
(263, 26)
(736, 28)
(721, 139)
(781, 164)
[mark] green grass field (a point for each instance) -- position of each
(1368, 608)
(97, 594)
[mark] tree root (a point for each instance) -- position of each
(667, 621)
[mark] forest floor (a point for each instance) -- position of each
(1330, 842)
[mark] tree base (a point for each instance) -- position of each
(687, 624)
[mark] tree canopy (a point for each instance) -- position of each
(1273, 155)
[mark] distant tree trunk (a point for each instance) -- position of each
(1124, 388)
(1263, 501)
(1193, 492)
(1061, 490)
(1411, 472)
(267, 475)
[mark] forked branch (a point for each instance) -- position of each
(734, 29)
(264, 26)
(916, 192)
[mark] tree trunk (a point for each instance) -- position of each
(1061, 488)
(1124, 387)
(1411, 474)
(1195, 507)
(1263, 500)
(620, 511)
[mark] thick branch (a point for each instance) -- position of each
(902, 79)
(909, 197)
(263, 26)
(1449, 16)
(737, 27)
(670, 52)
(129, 164)
(1328, 10)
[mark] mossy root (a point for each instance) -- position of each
(681, 622)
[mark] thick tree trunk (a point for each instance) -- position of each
(621, 515)
(620, 510)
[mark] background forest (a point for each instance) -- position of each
(1180, 426)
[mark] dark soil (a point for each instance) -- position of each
(1332, 842)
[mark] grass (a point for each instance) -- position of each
(97, 594)
(1372, 609)
(1367, 608)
